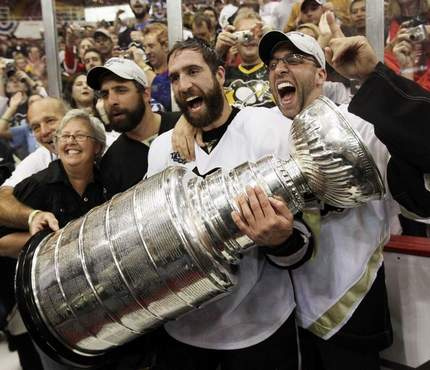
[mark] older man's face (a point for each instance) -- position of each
(44, 117)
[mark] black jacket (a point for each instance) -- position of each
(400, 110)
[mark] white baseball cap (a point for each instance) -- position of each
(123, 68)
(307, 44)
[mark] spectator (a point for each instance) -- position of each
(140, 9)
(92, 58)
(80, 95)
(67, 189)
(248, 83)
(358, 17)
(202, 28)
(340, 8)
(158, 11)
(155, 41)
(21, 62)
(75, 63)
(103, 42)
(13, 125)
(212, 14)
(405, 54)
(36, 62)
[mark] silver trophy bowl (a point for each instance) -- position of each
(165, 246)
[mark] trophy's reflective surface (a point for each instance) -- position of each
(164, 247)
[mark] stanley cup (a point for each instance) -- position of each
(164, 247)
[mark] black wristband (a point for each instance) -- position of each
(292, 245)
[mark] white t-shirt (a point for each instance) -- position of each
(34, 162)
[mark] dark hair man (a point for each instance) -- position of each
(329, 319)
(103, 42)
(124, 88)
(92, 58)
(254, 327)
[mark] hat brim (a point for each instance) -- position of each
(96, 74)
(268, 42)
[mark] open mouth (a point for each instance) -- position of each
(194, 103)
(286, 92)
(72, 151)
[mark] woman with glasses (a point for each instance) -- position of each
(68, 188)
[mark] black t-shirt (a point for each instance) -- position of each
(126, 161)
(7, 163)
(50, 190)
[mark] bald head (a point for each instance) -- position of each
(44, 116)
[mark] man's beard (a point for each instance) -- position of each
(131, 120)
(213, 100)
(142, 12)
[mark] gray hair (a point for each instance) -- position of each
(96, 126)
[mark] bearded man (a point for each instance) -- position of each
(124, 89)
(254, 327)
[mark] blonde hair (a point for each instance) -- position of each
(246, 14)
(160, 30)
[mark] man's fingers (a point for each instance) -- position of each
(333, 25)
(264, 203)
(241, 225)
(328, 55)
(281, 208)
(247, 214)
(254, 203)
(53, 223)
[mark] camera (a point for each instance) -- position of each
(243, 36)
(417, 34)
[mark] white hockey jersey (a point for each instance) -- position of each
(263, 298)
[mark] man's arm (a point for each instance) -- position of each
(396, 106)
(11, 245)
(13, 213)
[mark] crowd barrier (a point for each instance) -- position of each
(407, 268)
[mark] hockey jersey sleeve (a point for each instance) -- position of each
(295, 251)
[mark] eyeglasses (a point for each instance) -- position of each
(290, 60)
(80, 138)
